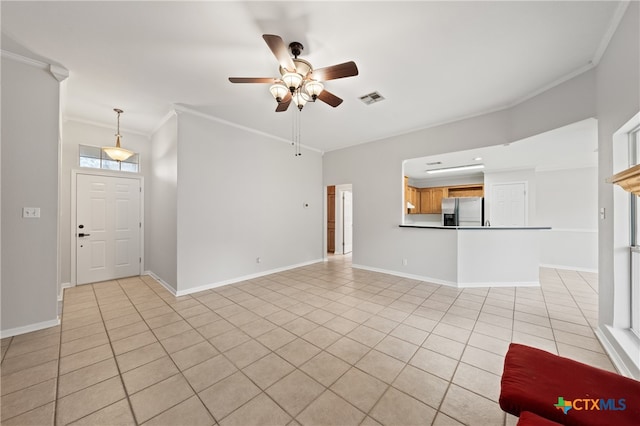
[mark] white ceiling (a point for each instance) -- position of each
(434, 62)
(572, 146)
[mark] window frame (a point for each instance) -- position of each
(634, 238)
(105, 160)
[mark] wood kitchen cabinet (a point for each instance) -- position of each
(431, 200)
(411, 195)
(466, 191)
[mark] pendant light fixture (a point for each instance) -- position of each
(117, 153)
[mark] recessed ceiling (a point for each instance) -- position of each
(434, 62)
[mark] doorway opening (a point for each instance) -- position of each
(340, 219)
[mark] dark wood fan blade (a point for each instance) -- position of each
(284, 104)
(329, 98)
(347, 69)
(280, 51)
(267, 80)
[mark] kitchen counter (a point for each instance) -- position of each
(460, 256)
(486, 228)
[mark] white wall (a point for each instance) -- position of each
(240, 196)
(618, 90)
(375, 169)
(162, 187)
(30, 122)
(75, 133)
(567, 200)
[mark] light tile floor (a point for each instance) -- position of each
(319, 345)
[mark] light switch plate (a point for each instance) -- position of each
(31, 212)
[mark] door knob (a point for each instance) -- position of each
(83, 235)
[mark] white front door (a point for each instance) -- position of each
(508, 204)
(107, 228)
(347, 222)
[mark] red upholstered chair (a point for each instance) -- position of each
(566, 391)
(527, 418)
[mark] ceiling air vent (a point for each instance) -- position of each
(372, 98)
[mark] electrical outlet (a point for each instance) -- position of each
(31, 212)
(258, 260)
(602, 213)
(404, 262)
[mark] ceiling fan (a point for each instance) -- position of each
(298, 81)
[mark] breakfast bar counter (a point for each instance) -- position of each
(467, 256)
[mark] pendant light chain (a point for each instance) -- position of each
(296, 132)
(298, 153)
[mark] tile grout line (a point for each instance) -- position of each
(585, 318)
(444, 395)
(55, 405)
(167, 354)
(114, 361)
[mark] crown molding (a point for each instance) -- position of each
(23, 59)
(185, 109)
(608, 35)
(60, 73)
(163, 120)
(103, 125)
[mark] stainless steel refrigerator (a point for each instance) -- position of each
(463, 211)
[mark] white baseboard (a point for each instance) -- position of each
(405, 275)
(613, 347)
(501, 284)
(210, 286)
(29, 328)
(448, 283)
(162, 282)
(568, 268)
(62, 287)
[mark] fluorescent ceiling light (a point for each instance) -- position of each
(456, 169)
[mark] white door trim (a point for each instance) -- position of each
(108, 173)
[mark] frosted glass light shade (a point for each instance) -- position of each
(300, 99)
(313, 88)
(279, 91)
(116, 152)
(292, 80)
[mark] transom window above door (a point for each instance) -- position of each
(94, 157)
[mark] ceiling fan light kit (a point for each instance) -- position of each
(117, 153)
(298, 78)
(298, 81)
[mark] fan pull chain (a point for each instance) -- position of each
(295, 132)
(298, 152)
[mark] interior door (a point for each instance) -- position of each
(508, 204)
(107, 228)
(331, 219)
(347, 222)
